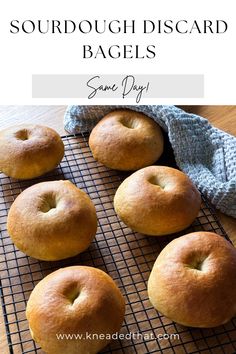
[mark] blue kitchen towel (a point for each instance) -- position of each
(206, 154)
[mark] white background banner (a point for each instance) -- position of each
(26, 52)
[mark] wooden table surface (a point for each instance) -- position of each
(223, 117)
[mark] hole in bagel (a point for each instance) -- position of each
(129, 123)
(73, 296)
(156, 182)
(199, 264)
(48, 203)
(22, 134)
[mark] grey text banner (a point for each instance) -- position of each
(118, 86)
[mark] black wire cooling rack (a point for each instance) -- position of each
(126, 256)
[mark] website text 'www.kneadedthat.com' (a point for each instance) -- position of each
(121, 336)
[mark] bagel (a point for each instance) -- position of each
(28, 151)
(75, 301)
(193, 281)
(157, 200)
(52, 220)
(126, 140)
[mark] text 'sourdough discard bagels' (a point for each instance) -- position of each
(193, 281)
(157, 200)
(28, 151)
(78, 300)
(126, 140)
(52, 220)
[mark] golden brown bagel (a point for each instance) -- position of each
(193, 281)
(52, 220)
(75, 300)
(126, 140)
(157, 200)
(28, 151)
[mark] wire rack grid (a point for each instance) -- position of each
(126, 256)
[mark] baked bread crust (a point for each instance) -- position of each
(52, 220)
(193, 281)
(157, 200)
(28, 151)
(75, 300)
(126, 140)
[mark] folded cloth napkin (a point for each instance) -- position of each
(206, 154)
